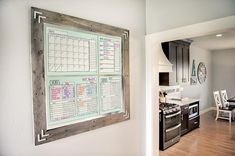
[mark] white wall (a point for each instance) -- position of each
(202, 91)
(168, 14)
(16, 119)
(223, 71)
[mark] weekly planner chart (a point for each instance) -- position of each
(83, 75)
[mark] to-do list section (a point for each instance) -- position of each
(110, 87)
(83, 75)
(110, 55)
(71, 99)
(62, 101)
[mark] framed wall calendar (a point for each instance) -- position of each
(80, 75)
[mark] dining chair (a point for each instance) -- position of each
(222, 112)
(224, 97)
(226, 103)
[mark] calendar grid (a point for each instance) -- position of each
(71, 54)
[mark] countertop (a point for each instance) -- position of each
(184, 101)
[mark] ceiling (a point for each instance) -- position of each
(211, 42)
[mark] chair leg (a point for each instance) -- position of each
(217, 115)
(233, 114)
(230, 117)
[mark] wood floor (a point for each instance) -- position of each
(213, 138)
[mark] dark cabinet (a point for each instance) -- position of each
(185, 64)
(194, 116)
(178, 54)
(194, 123)
(190, 118)
(184, 119)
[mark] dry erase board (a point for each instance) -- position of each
(80, 72)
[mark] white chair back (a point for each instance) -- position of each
(224, 97)
(217, 99)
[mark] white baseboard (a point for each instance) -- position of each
(207, 110)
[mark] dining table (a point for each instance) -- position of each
(231, 99)
(231, 102)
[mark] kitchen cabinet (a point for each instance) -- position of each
(184, 119)
(194, 116)
(189, 123)
(193, 123)
(178, 54)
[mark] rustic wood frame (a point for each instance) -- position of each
(40, 16)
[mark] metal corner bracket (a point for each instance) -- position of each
(125, 34)
(38, 15)
(42, 136)
(126, 115)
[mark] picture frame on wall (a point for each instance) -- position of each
(193, 80)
